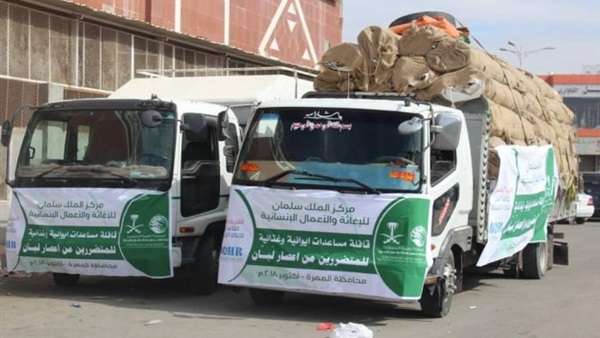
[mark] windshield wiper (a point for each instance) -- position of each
(97, 170)
(92, 169)
(64, 165)
(320, 177)
(48, 171)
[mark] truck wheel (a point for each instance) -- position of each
(535, 260)
(437, 299)
(512, 270)
(266, 297)
(550, 246)
(65, 279)
(579, 220)
(206, 268)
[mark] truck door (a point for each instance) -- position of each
(444, 188)
(200, 179)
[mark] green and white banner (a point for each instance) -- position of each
(90, 231)
(521, 201)
(368, 246)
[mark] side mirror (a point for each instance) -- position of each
(7, 126)
(6, 132)
(151, 118)
(194, 126)
(411, 126)
(447, 132)
(223, 125)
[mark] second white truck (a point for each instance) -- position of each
(381, 197)
(417, 158)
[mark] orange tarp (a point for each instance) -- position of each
(586, 132)
(439, 22)
(572, 79)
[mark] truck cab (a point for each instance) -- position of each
(390, 147)
(370, 181)
(121, 187)
(378, 196)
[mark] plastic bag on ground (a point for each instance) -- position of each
(352, 330)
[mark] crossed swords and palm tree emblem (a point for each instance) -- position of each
(391, 237)
(133, 227)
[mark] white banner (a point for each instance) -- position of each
(374, 246)
(521, 201)
(90, 231)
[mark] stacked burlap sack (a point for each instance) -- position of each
(426, 63)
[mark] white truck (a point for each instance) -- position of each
(120, 187)
(130, 185)
(381, 197)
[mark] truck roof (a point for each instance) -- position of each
(244, 91)
(197, 106)
(354, 103)
(97, 103)
(183, 105)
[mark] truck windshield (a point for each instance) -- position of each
(96, 148)
(340, 149)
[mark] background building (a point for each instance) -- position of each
(57, 49)
(64, 49)
(581, 93)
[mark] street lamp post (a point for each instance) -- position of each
(520, 53)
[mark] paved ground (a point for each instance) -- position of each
(566, 303)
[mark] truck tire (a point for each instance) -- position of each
(579, 220)
(206, 267)
(266, 297)
(460, 274)
(535, 260)
(65, 279)
(410, 17)
(512, 270)
(436, 299)
(550, 246)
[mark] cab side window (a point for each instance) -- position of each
(200, 181)
(443, 162)
(200, 150)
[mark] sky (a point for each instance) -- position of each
(572, 27)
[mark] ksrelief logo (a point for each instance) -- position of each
(159, 224)
(401, 236)
(419, 236)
